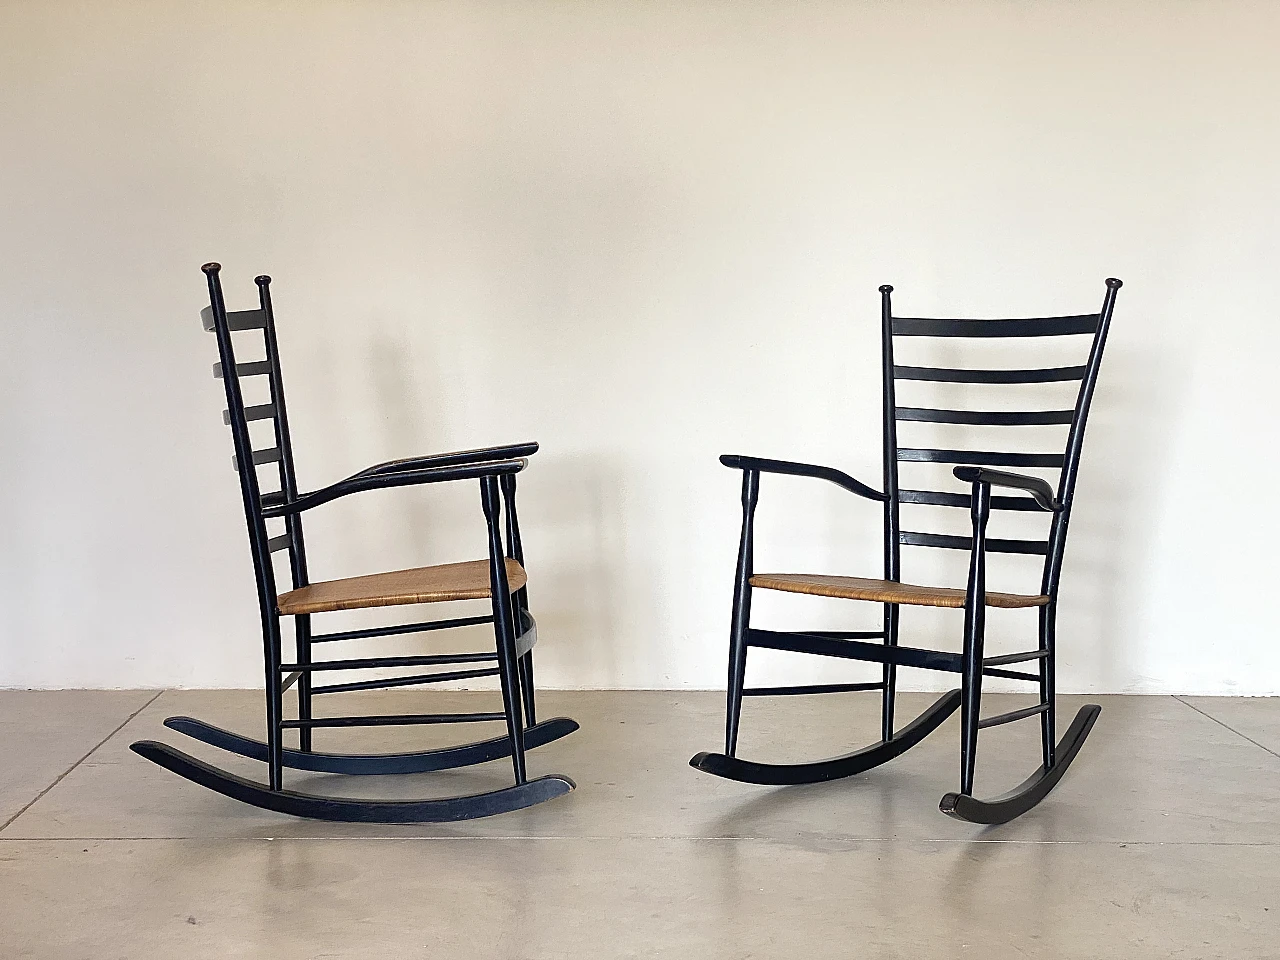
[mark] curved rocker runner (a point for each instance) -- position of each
(499, 580)
(977, 469)
(1018, 801)
(374, 764)
(819, 771)
(349, 810)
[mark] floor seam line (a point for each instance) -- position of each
(1228, 726)
(94, 749)
(845, 841)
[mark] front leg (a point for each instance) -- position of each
(975, 615)
(515, 550)
(741, 618)
(503, 625)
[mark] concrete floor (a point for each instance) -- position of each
(1162, 841)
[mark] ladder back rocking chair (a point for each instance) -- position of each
(500, 579)
(981, 471)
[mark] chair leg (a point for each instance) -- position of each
(889, 675)
(1048, 734)
(525, 661)
(508, 673)
(741, 617)
(275, 701)
(970, 701)
(737, 668)
(975, 616)
(526, 689)
(302, 634)
(504, 627)
(515, 550)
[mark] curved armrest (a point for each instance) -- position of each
(377, 481)
(480, 455)
(1039, 489)
(790, 468)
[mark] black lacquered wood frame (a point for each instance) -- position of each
(511, 659)
(980, 470)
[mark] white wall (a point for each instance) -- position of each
(667, 222)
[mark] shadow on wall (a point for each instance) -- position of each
(1122, 484)
(573, 530)
(403, 418)
(367, 411)
(582, 588)
(1114, 519)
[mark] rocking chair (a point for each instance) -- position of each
(975, 469)
(500, 579)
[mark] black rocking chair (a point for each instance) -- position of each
(974, 468)
(499, 579)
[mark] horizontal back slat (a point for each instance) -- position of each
(952, 375)
(236, 319)
(936, 499)
(979, 458)
(989, 418)
(253, 368)
(262, 411)
(278, 543)
(949, 542)
(260, 457)
(1042, 327)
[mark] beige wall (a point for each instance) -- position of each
(667, 222)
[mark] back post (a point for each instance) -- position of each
(293, 522)
(1048, 616)
(892, 549)
(251, 494)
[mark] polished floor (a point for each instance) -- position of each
(1162, 841)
